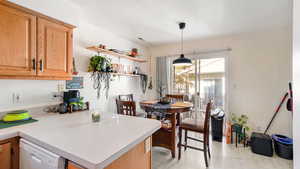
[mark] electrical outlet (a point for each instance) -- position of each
(16, 98)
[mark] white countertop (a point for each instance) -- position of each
(75, 137)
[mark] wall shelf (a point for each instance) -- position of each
(122, 74)
(112, 53)
(125, 74)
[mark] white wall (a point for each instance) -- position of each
(35, 92)
(296, 83)
(259, 72)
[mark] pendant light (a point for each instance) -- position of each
(182, 61)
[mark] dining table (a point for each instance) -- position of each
(170, 112)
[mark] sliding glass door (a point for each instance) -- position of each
(203, 81)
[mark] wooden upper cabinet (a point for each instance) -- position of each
(54, 49)
(34, 46)
(17, 42)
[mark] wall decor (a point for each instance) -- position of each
(75, 83)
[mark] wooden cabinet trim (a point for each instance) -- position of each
(36, 77)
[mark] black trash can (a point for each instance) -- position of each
(217, 118)
(283, 146)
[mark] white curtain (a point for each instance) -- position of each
(164, 72)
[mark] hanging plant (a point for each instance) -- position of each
(101, 68)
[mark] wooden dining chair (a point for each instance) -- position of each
(198, 126)
(126, 97)
(179, 98)
(175, 97)
(126, 107)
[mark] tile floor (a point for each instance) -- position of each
(223, 157)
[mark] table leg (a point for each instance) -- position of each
(173, 145)
(178, 119)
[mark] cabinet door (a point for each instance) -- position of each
(54, 49)
(72, 165)
(17, 42)
(139, 157)
(5, 156)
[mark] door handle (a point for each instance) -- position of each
(33, 64)
(41, 65)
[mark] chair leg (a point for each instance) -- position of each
(208, 148)
(236, 139)
(185, 139)
(205, 154)
(179, 143)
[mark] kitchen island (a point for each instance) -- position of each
(91, 145)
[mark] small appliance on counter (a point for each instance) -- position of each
(71, 96)
(72, 102)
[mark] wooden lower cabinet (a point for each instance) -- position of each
(5, 156)
(9, 153)
(72, 165)
(139, 157)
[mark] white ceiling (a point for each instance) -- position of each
(156, 20)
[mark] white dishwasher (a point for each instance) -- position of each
(35, 157)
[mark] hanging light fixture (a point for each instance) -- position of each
(182, 61)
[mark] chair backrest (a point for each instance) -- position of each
(126, 97)
(126, 107)
(207, 119)
(175, 97)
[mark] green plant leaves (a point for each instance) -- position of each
(101, 67)
(99, 63)
(241, 120)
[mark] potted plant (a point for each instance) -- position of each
(101, 68)
(240, 122)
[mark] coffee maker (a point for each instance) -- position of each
(71, 96)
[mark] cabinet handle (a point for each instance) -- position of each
(41, 65)
(33, 64)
